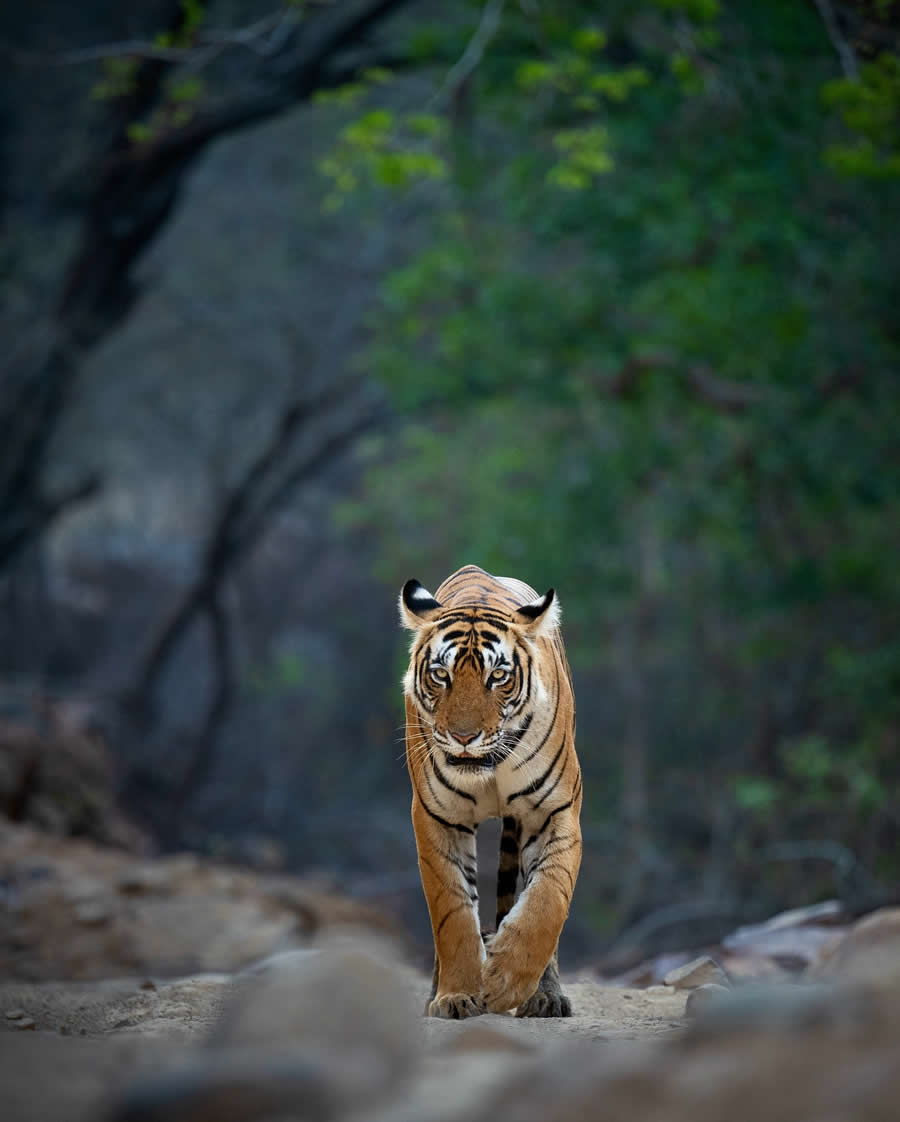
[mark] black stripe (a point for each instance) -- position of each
(555, 784)
(432, 791)
(539, 782)
(506, 881)
(523, 685)
(460, 574)
(452, 912)
(534, 837)
(551, 728)
(545, 857)
(441, 778)
(529, 661)
(473, 614)
(437, 817)
(508, 844)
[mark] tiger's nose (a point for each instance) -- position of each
(464, 738)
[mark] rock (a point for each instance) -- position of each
(787, 1008)
(76, 910)
(145, 877)
(93, 913)
(825, 914)
(24, 1024)
(481, 1039)
(699, 972)
(792, 940)
(648, 972)
(309, 1034)
(14, 1014)
(77, 889)
(352, 998)
(57, 773)
(793, 948)
(743, 966)
(235, 1089)
(703, 997)
(869, 953)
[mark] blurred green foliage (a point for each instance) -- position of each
(184, 89)
(870, 108)
(649, 355)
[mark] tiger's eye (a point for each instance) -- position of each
(498, 675)
(439, 674)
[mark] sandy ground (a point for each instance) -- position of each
(90, 1037)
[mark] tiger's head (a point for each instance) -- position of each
(473, 676)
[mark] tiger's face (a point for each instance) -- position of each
(472, 676)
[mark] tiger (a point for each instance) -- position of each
(490, 733)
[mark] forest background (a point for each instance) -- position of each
(301, 301)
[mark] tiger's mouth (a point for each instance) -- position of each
(471, 761)
(509, 742)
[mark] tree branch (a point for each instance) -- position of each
(720, 393)
(244, 517)
(466, 65)
(203, 758)
(138, 184)
(840, 44)
(263, 38)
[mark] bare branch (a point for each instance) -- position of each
(840, 44)
(35, 514)
(329, 450)
(721, 393)
(264, 37)
(241, 521)
(724, 395)
(468, 62)
(204, 753)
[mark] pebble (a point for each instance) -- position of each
(93, 913)
(143, 878)
(700, 999)
(699, 972)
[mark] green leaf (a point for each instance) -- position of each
(589, 39)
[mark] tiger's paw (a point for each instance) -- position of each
(544, 1004)
(503, 988)
(455, 1006)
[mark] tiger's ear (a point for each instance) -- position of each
(539, 617)
(417, 606)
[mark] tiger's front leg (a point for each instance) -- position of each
(447, 866)
(525, 944)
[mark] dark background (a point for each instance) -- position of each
(300, 302)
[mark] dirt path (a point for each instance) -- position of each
(89, 1037)
(186, 1008)
(334, 1032)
